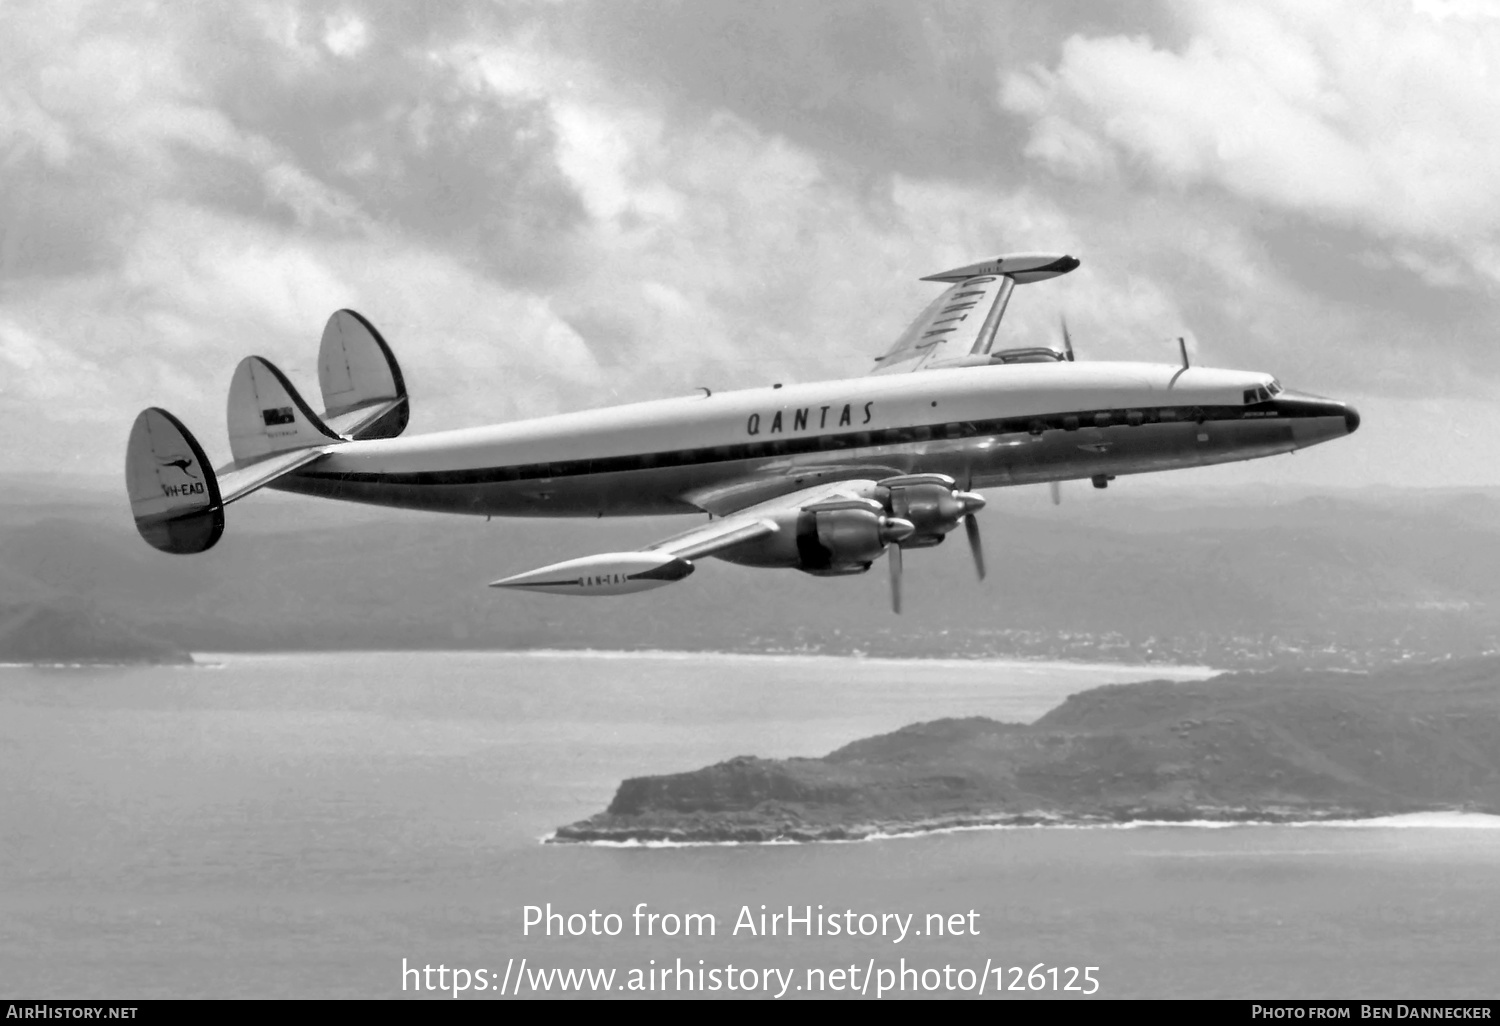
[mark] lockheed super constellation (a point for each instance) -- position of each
(824, 477)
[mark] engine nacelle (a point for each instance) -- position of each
(931, 502)
(833, 538)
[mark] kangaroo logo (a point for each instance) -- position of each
(182, 463)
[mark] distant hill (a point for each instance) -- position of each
(1244, 579)
(36, 632)
(1282, 747)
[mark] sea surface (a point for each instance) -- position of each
(308, 825)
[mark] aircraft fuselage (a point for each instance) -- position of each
(988, 426)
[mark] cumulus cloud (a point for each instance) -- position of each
(1376, 116)
(549, 207)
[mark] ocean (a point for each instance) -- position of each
(330, 825)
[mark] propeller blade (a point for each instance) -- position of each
(895, 557)
(1067, 339)
(971, 528)
(1056, 493)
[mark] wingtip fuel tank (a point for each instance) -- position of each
(1022, 268)
(609, 573)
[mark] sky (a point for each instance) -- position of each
(551, 206)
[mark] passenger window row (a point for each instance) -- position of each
(761, 449)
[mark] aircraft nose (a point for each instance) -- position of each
(1351, 420)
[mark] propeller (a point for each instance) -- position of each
(895, 557)
(926, 507)
(1056, 486)
(971, 528)
(893, 531)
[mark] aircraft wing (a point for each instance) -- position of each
(620, 573)
(952, 326)
(958, 328)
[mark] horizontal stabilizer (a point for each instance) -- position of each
(236, 482)
(372, 421)
(364, 394)
(267, 416)
(174, 494)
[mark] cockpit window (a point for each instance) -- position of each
(1275, 387)
(1260, 394)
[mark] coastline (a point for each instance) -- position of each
(1435, 819)
(1185, 671)
(108, 664)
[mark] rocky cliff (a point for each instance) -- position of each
(1265, 746)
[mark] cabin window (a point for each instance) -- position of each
(1135, 418)
(1070, 423)
(1102, 419)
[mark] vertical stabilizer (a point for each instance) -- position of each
(267, 416)
(364, 395)
(174, 495)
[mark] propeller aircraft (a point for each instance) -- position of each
(823, 477)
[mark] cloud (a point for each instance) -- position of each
(550, 207)
(1372, 116)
